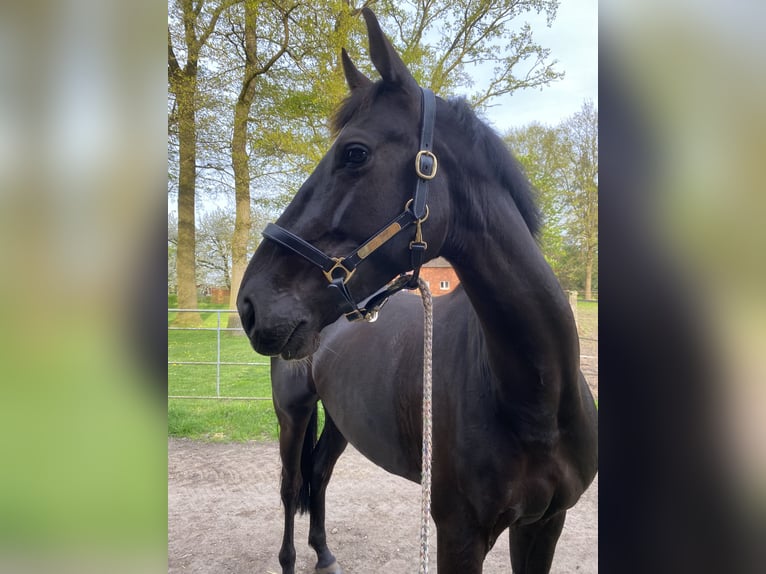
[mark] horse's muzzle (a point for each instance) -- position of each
(288, 337)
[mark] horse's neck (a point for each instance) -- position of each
(530, 333)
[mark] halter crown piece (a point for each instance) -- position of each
(338, 270)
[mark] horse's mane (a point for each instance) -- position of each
(507, 170)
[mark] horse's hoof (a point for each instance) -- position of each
(333, 568)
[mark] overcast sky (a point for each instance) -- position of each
(573, 41)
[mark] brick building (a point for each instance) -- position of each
(440, 276)
(219, 295)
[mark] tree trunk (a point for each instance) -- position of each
(183, 84)
(588, 275)
(243, 216)
(239, 160)
(185, 256)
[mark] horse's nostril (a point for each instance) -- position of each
(246, 314)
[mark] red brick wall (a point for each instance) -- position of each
(218, 295)
(434, 275)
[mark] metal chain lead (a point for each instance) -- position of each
(425, 481)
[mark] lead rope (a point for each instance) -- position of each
(425, 481)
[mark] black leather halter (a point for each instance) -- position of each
(338, 270)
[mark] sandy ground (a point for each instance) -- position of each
(225, 516)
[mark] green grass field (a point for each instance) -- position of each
(200, 380)
(217, 419)
(224, 420)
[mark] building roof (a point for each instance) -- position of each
(438, 262)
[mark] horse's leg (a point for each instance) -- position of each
(460, 547)
(533, 545)
(329, 448)
(293, 426)
(295, 403)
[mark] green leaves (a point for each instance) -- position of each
(441, 41)
(562, 163)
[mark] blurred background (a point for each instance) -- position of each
(82, 186)
(692, 79)
(83, 183)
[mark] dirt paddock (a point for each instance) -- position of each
(225, 516)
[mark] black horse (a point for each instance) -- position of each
(515, 425)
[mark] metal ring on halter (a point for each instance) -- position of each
(407, 206)
(338, 265)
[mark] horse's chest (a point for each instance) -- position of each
(503, 483)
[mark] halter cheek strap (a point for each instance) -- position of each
(339, 270)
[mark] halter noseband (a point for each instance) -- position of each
(338, 270)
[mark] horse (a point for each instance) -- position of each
(514, 422)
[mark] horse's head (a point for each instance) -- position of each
(350, 228)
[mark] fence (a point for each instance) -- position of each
(256, 385)
(218, 362)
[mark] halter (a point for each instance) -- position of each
(339, 270)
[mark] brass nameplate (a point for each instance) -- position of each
(379, 240)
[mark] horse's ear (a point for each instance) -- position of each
(354, 78)
(384, 57)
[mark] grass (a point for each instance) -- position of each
(587, 326)
(224, 420)
(587, 319)
(217, 419)
(200, 380)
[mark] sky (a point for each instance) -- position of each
(573, 41)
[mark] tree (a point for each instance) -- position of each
(257, 63)
(215, 232)
(443, 42)
(172, 248)
(439, 40)
(198, 24)
(214, 248)
(538, 149)
(562, 164)
(580, 137)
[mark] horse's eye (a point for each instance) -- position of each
(355, 155)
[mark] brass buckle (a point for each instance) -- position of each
(422, 175)
(338, 265)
